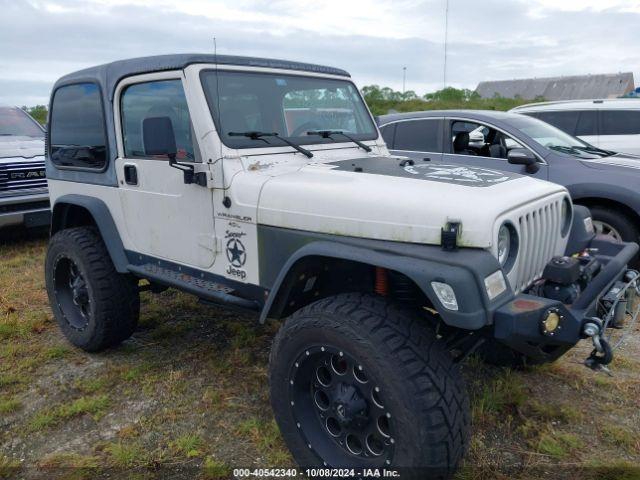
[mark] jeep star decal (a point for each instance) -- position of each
(457, 173)
(236, 253)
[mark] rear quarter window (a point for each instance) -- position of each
(77, 128)
(565, 121)
(620, 122)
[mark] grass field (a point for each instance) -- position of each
(187, 397)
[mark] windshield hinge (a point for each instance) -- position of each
(449, 236)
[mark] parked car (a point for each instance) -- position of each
(235, 179)
(612, 124)
(23, 184)
(604, 181)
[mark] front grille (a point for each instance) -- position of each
(24, 207)
(19, 177)
(539, 235)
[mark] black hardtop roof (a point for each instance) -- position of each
(109, 74)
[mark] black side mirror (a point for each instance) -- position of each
(158, 137)
(522, 156)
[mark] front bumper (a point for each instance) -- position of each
(32, 210)
(519, 323)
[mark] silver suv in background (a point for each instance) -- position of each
(24, 198)
(612, 124)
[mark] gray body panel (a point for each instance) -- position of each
(614, 178)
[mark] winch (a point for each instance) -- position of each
(565, 277)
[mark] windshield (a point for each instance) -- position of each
(555, 139)
(14, 122)
(291, 106)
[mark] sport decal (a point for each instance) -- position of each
(457, 173)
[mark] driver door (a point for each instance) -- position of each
(487, 147)
(165, 218)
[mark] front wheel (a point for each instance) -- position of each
(95, 306)
(358, 383)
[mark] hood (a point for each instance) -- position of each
(622, 160)
(25, 147)
(389, 199)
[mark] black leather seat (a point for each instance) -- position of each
(498, 151)
(461, 144)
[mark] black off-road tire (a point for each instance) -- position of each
(418, 381)
(109, 313)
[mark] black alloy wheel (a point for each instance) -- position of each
(339, 408)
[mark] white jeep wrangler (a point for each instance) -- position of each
(265, 185)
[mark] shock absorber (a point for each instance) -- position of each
(382, 282)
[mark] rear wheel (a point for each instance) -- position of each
(616, 226)
(612, 223)
(95, 306)
(358, 383)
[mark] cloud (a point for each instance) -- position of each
(41, 40)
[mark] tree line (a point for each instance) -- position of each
(382, 100)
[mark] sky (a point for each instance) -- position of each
(41, 40)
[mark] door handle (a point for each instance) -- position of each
(131, 175)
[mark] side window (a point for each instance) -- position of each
(587, 123)
(620, 122)
(565, 121)
(419, 135)
(163, 98)
(388, 132)
(476, 139)
(77, 130)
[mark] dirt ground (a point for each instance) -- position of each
(187, 397)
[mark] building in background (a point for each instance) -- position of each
(560, 88)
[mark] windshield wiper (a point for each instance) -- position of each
(253, 135)
(570, 150)
(328, 133)
(597, 151)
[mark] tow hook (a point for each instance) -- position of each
(602, 353)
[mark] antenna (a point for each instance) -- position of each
(404, 78)
(226, 201)
(446, 39)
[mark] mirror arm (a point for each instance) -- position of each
(188, 172)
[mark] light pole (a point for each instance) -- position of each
(404, 79)
(446, 40)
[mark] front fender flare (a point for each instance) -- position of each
(456, 268)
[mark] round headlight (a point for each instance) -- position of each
(507, 246)
(565, 216)
(504, 244)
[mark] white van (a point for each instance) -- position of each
(612, 124)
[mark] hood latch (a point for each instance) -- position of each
(449, 236)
